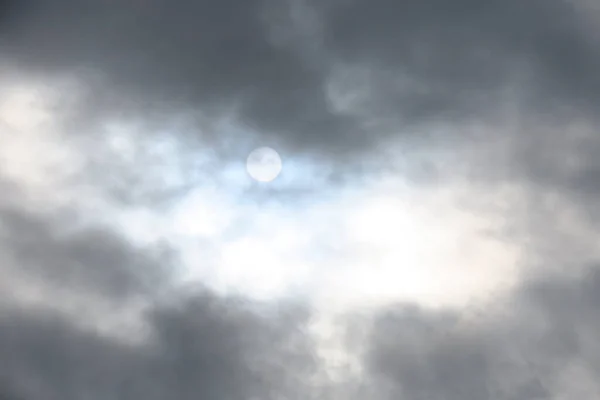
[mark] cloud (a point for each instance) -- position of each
(501, 93)
(537, 341)
(534, 343)
(54, 251)
(87, 313)
(206, 346)
(349, 83)
(432, 60)
(284, 70)
(125, 122)
(149, 54)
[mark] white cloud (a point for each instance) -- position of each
(372, 243)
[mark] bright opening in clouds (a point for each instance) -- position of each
(422, 224)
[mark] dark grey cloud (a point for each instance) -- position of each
(200, 57)
(53, 250)
(407, 63)
(436, 60)
(534, 344)
(207, 347)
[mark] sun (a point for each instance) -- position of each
(264, 164)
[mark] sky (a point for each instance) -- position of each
(432, 235)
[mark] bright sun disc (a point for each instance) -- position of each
(264, 164)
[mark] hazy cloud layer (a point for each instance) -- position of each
(123, 130)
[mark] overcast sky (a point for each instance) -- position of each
(433, 233)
